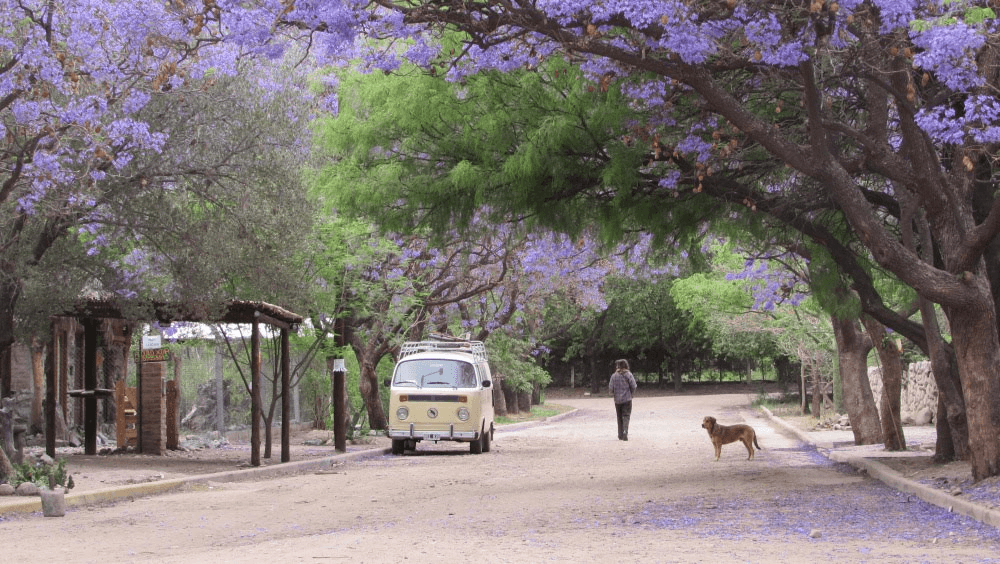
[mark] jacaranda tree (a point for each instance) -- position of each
(126, 160)
(886, 108)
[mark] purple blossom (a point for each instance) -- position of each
(949, 51)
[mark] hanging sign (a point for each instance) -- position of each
(154, 355)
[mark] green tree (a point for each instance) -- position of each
(644, 323)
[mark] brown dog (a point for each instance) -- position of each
(725, 434)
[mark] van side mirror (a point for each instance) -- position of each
(486, 383)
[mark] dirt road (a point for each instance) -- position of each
(563, 491)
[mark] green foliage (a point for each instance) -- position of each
(972, 15)
(42, 475)
(706, 294)
(510, 358)
(413, 148)
(642, 321)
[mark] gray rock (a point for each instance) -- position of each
(924, 416)
(26, 488)
(6, 489)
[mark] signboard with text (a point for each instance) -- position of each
(154, 355)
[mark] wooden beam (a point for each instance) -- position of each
(264, 318)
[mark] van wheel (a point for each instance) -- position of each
(397, 446)
(486, 440)
(476, 446)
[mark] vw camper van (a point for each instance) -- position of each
(441, 390)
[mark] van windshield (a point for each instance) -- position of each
(435, 373)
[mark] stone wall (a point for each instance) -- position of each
(918, 399)
(22, 382)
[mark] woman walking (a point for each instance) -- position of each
(622, 386)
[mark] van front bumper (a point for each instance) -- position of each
(449, 434)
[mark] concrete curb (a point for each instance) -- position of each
(895, 480)
(80, 499)
(537, 422)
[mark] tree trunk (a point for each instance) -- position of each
(817, 393)
(524, 401)
(977, 352)
(944, 449)
(510, 398)
(953, 441)
(803, 392)
(6, 443)
(37, 419)
(852, 354)
(952, 425)
(368, 386)
(892, 383)
(271, 410)
(595, 381)
(499, 401)
(268, 435)
(10, 291)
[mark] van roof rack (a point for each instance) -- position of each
(476, 348)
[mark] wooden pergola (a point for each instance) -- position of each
(92, 311)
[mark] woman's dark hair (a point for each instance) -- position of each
(621, 364)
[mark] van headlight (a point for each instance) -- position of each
(402, 413)
(463, 414)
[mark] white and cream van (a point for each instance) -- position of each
(441, 390)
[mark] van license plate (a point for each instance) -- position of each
(434, 437)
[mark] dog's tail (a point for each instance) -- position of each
(755, 442)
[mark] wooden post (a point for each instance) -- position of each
(173, 426)
(120, 424)
(255, 399)
(139, 398)
(220, 392)
(174, 410)
(339, 405)
(63, 358)
(7, 370)
(286, 419)
(90, 383)
(50, 393)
